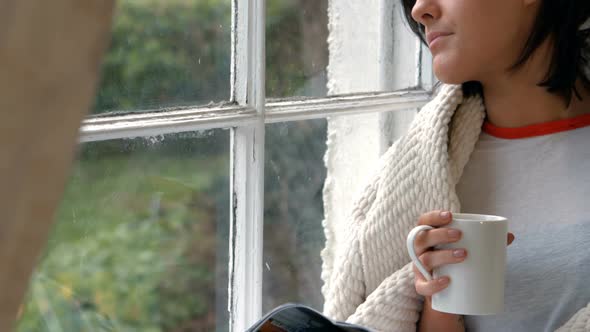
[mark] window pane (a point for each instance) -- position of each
(293, 233)
(297, 48)
(167, 53)
(140, 241)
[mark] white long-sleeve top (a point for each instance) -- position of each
(370, 280)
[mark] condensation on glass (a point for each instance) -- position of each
(296, 48)
(166, 53)
(140, 242)
(293, 213)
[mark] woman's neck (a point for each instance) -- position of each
(515, 100)
(513, 106)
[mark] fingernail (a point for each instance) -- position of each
(454, 233)
(445, 214)
(459, 253)
(443, 280)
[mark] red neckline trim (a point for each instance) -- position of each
(540, 129)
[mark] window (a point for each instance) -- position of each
(222, 134)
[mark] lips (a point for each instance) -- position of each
(432, 36)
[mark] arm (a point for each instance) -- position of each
(444, 322)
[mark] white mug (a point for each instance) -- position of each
(477, 283)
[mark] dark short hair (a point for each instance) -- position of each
(560, 19)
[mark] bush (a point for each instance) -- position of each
(167, 53)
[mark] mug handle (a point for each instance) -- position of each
(412, 252)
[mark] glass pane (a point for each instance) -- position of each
(293, 233)
(140, 241)
(297, 48)
(167, 53)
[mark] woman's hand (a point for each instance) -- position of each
(430, 258)
(431, 320)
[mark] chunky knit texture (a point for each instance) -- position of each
(370, 280)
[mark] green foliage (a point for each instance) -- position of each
(177, 52)
(284, 69)
(167, 53)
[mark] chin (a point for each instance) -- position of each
(449, 70)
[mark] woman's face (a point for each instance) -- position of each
(474, 40)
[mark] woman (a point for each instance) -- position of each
(505, 135)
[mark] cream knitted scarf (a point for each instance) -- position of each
(369, 281)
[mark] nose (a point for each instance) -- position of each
(425, 11)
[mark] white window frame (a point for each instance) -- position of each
(246, 115)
